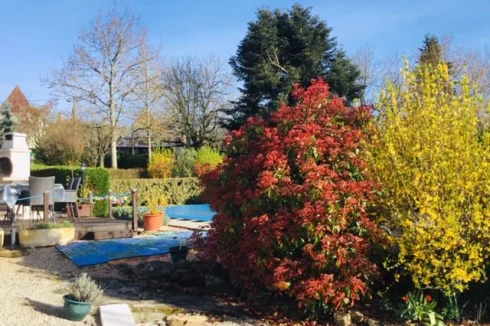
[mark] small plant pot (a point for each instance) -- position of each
(152, 222)
(178, 253)
(85, 209)
(75, 310)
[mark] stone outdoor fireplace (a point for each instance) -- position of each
(15, 158)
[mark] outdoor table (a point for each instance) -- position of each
(21, 187)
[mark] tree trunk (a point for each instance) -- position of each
(112, 118)
(113, 146)
(113, 150)
(149, 147)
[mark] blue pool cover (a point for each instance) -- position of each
(100, 252)
(191, 212)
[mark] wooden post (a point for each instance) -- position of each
(134, 199)
(46, 206)
(110, 204)
(90, 204)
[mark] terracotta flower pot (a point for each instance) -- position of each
(153, 222)
(84, 209)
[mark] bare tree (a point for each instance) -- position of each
(149, 94)
(98, 143)
(369, 68)
(196, 91)
(101, 69)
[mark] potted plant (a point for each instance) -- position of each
(46, 234)
(153, 219)
(179, 253)
(83, 293)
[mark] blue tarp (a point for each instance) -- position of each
(191, 212)
(100, 252)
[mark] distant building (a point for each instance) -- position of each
(30, 120)
(18, 101)
(138, 145)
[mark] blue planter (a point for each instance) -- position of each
(75, 310)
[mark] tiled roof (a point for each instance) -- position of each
(18, 100)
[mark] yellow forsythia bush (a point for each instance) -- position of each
(434, 169)
(161, 164)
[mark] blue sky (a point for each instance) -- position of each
(36, 34)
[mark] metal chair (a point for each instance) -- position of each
(37, 187)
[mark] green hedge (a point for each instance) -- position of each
(98, 180)
(178, 191)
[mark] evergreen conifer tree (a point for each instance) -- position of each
(282, 48)
(8, 121)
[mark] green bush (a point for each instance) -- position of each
(206, 155)
(185, 162)
(98, 177)
(126, 173)
(98, 181)
(178, 191)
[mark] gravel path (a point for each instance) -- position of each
(32, 289)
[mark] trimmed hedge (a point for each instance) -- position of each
(178, 191)
(98, 178)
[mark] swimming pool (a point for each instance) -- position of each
(201, 212)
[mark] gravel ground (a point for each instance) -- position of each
(32, 289)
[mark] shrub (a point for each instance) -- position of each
(56, 147)
(208, 158)
(185, 162)
(434, 168)
(97, 180)
(161, 164)
(177, 191)
(292, 198)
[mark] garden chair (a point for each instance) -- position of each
(37, 187)
(71, 198)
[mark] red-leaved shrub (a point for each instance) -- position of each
(292, 196)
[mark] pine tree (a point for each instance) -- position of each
(8, 121)
(282, 48)
(343, 76)
(431, 52)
